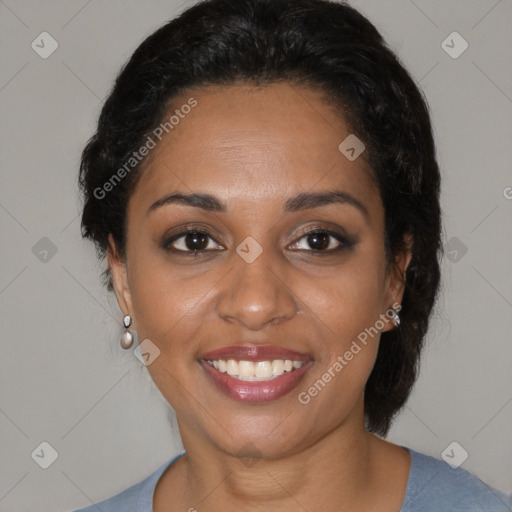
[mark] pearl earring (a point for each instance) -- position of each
(127, 337)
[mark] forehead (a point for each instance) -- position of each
(252, 142)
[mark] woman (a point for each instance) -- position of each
(264, 185)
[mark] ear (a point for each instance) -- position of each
(119, 272)
(396, 279)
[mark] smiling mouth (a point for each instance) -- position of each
(259, 371)
(255, 374)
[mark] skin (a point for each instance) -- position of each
(254, 148)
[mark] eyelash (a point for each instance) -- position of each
(345, 242)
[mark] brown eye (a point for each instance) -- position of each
(191, 241)
(323, 241)
(318, 241)
(196, 241)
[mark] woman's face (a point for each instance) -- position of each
(260, 288)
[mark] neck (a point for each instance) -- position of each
(338, 468)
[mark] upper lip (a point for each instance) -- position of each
(254, 353)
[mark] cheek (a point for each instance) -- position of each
(347, 310)
(351, 339)
(165, 303)
(351, 299)
(172, 312)
(347, 306)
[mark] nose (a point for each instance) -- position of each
(256, 294)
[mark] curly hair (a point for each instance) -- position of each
(324, 44)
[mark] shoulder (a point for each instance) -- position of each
(137, 498)
(434, 485)
(125, 500)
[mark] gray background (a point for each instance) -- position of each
(64, 378)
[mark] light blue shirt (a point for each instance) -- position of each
(432, 486)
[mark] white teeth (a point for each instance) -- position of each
(263, 369)
(232, 367)
(277, 367)
(256, 370)
(245, 368)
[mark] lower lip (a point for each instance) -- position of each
(256, 391)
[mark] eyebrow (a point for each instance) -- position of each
(302, 201)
